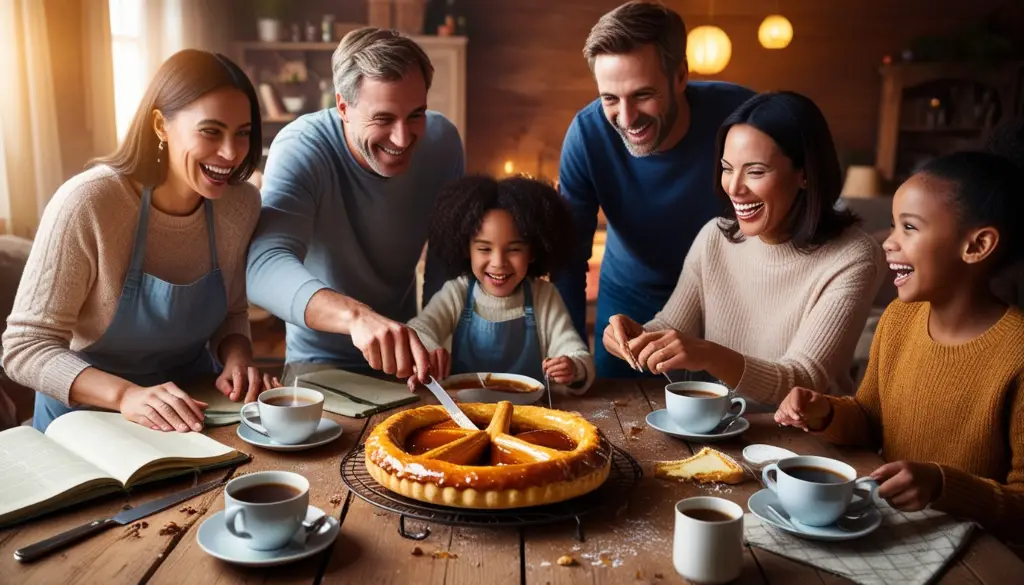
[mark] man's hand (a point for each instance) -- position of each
(440, 367)
(389, 346)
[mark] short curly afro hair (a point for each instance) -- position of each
(1007, 140)
(539, 212)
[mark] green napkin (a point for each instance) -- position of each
(355, 395)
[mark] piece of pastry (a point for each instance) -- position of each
(526, 456)
(707, 466)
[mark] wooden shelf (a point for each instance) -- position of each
(904, 123)
(945, 129)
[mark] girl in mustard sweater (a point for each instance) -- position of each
(942, 394)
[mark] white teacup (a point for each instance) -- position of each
(708, 540)
(269, 505)
(698, 407)
(816, 491)
(287, 415)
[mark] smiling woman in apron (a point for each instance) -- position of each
(136, 279)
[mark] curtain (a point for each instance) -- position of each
(38, 139)
(28, 115)
(172, 25)
(98, 75)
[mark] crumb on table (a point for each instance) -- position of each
(417, 551)
(171, 528)
(566, 561)
(443, 554)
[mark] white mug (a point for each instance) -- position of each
(708, 550)
(289, 425)
(817, 503)
(700, 414)
(271, 524)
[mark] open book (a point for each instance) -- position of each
(85, 454)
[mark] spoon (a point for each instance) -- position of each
(313, 527)
(722, 427)
(780, 518)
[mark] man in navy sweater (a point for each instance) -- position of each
(644, 153)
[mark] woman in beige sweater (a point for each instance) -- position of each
(774, 293)
(136, 279)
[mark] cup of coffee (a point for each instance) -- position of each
(708, 540)
(266, 509)
(816, 491)
(698, 407)
(287, 415)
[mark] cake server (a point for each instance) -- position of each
(449, 405)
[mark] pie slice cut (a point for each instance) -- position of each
(707, 466)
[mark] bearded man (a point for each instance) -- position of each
(643, 152)
(346, 197)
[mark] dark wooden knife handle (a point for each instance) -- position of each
(54, 543)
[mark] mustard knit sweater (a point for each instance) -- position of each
(960, 406)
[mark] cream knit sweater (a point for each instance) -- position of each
(79, 261)
(795, 317)
(436, 323)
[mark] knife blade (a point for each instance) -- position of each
(42, 548)
(449, 405)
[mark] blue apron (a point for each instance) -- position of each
(510, 347)
(160, 330)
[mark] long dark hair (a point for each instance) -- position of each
(798, 127)
(182, 79)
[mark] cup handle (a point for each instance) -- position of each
(866, 487)
(254, 426)
(230, 516)
(729, 417)
(768, 481)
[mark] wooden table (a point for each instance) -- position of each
(631, 544)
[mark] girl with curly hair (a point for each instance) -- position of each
(502, 237)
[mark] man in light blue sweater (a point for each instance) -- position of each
(346, 198)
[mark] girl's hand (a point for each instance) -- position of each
(440, 367)
(908, 485)
(619, 332)
(163, 407)
(560, 369)
(242, 381)
(804, 409)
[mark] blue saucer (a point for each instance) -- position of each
(659, 420)
(849, 530)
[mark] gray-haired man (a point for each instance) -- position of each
(346, 196)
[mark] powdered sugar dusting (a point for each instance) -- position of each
(717, 488)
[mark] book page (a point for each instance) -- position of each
(121, 447)
(36, 469)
